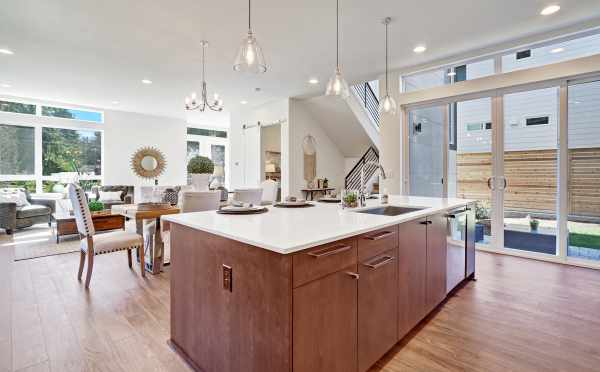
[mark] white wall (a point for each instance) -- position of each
(330, 161)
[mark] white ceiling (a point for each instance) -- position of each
(94, 53)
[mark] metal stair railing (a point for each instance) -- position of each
(368, 99)
(352, 181)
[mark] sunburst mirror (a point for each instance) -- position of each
(148, 162)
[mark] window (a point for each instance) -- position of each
(17, 150)
(65, 113)
(523, 54)
(478, 126)
(193, 149)
(207, 132)
(541, 120)
(552, 53)
(17, 107)
(447, 75)
(217, 155)
(69, 150)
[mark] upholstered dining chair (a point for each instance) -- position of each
(269, 191)
(198, 201)
(92, 244)
(253, 196)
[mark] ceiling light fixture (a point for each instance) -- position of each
(146, 81)
(550, 10)
(452, 73)
(388, 104)
(115, 102)
(337, 86)
(557, 50)
(5, 85)
(7, 52)
(191, 103)
(250, 57)
(420, 49)
(243, 102)
(313, 81)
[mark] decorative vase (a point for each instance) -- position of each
(200, 181)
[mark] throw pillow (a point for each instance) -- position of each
(13, 196)
(109, 196)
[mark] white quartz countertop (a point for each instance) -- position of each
(288, 230)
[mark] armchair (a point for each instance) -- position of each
(14, 217)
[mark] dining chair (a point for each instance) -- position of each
(253, 196)
(269, 191)
(198, 201)
(92, 244)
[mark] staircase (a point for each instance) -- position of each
(368, 100)
(352, 181)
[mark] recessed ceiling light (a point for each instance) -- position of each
(313, 81)
(115, 102)
(557, 50)
(5, 85)
(6, 51)
(452, 73)
(243, 102)
(420, 49)
(146, 81)
(550, 10)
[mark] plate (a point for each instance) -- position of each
(300, 204)
(242, 210)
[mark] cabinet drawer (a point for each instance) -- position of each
(322, 260)
(376, 242)
(113, 223)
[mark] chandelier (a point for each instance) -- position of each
(192, 102)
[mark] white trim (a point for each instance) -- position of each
(38, 109)
(563, 172)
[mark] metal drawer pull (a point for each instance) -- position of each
(381, 235)
(329, 251)
(426, 222)
(379, 261)
(354, 275)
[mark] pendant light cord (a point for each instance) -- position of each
(387, 92)
(203, 61)
(337, 34)
(249, 12)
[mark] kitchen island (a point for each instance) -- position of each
(312, 289)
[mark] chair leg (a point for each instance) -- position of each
(129, 258)
(90, 267)
(142, 262)
(81, 264)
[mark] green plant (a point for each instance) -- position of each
(200, 164)
(96, 206)
(482, 210)
(534, 224)
(350, 198)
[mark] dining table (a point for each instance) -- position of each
(153, 243)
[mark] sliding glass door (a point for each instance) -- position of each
(583, 132)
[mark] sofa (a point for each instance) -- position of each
(125, 197)
(36, 211)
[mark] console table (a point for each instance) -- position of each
(66, 225)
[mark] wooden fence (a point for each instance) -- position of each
(532, 180)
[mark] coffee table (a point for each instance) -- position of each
(66, 225)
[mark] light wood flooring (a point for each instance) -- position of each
(520, 315)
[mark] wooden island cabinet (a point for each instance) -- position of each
(338, 307)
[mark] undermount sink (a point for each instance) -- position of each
(390, 210)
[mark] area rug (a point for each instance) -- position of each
(38, 241)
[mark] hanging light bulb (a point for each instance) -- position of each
(337, 86)
(250, 57)
(387, 105)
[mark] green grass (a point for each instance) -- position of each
(584, 235)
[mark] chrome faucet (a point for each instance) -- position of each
(362, 192)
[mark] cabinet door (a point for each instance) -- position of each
(377, 307)
(436, 260)
(324, 323)
(412, 275)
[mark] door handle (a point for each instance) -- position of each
(489, 183)
(380, 235)
(353, 275)
(329, 251)
(379, 261)
(505, 183)
(426, 222)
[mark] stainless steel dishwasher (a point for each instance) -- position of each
(460, 238)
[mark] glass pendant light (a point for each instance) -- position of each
(387, 105)
(337, 86)
(250, 57)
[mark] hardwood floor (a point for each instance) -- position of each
(520, 315)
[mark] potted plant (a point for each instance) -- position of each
(534, 224)
(483, 218)
(200, 169)
(350, 200)
(96, 206)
